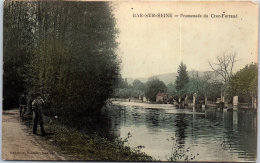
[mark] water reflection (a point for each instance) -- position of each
(215, 135)
(181, 125)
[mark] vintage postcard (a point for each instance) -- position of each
(130, 81)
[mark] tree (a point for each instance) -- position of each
(203, 86)
(121, 83)
(214, 90)
(66, 50)
(123, 93)
(171, 89)
(154, 86)
(244, 82)
(138, 85)
(18, 47)
(224, 68)
(182, 79)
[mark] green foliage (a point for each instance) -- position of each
(123, 90)
(244, 82)
(17, 48)
(214, 90)
(203, 86)
(127, 93)
(179, 153)
(50, 66)
(171, 89)
(195, 86)
(182, 78)
(154, 86)
(63, 50)
(122, 93)
(138, 85)
(211, 90)
(121, 83)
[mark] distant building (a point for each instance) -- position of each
(162, 98)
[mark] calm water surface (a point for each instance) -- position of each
(211, 135)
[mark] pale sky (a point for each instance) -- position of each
(151, 46)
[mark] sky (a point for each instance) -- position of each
(152, 46)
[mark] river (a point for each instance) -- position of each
(163, 130)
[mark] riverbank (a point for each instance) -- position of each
(19, 143)
(79, 146)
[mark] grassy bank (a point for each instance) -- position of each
(79, 146)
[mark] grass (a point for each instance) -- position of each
(79, 146)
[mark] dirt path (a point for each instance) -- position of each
(18, 143)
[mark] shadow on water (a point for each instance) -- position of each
(153, 118)
(181, 125)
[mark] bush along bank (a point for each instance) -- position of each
(79, 146)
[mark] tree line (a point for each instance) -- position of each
(185, 85)
(210, 85)
(66, 51)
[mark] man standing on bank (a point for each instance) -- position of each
(37, 108)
